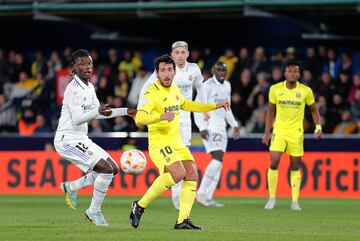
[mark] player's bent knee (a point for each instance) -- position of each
(191, 175)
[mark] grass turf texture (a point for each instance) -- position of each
(49, 218)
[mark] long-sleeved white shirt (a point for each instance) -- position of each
(80, 105)
(186, 79)
(216, 92)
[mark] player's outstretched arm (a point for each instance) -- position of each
(197, 106)
(115, 112)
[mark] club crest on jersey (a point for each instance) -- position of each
(177, 97)
(298, 95)
(190, 78)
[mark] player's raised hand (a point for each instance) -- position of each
(225, 104)
(105, 109)
(169, 116)
(265, 140)
(131, 112)
(204, 134)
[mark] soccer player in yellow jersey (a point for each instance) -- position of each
(159, 109)
(287, 99)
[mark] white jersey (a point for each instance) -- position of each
(186, 79)
(216, 92)
(79, 101)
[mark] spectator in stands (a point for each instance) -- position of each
(332, 65)
(112, 66)
(27, 124)
(346, 126)
(54, 64)
(346, 63)
(229, 59)
(343, 84)
(194, 57)
(39, 65)
(312, 61)
(308, 79)
(120, 124)
(355, 86)
(209, 59)
(290, 53)
(104, 90)
(355, 106)
(126, 65)
(95, 126)
(325, 87)
(137, 60)
(277, 60)
(259, 61)
(244, 61)
(262, 86)
(67, 57)
(141, 77)
(276, 75)
(41, 125)
(121, 85)
(335, 111)
(8, 121)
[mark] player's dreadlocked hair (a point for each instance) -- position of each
(78, 54)
(163, 59)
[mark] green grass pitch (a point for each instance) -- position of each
(48, 218)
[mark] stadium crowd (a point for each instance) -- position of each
(30, 91)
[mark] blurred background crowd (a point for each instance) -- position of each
(32, 82)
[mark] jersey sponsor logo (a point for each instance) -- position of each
(281, 94)
(86, 107)
(289, 102)
(172, 108)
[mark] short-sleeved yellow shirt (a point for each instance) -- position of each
(165, 143)
(290, 105)
(159, 100)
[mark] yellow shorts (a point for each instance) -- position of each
(166, 154)
(289, 141)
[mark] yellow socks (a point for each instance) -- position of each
(160, 185)
(272, 177)
(295, 179)
(187, 197)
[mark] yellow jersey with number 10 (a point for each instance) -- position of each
(290, 105)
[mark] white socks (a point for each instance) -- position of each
(101, 186)
(84, 181)
(210, 179)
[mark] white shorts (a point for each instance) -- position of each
(185, 129)
(84, 153)
(217, 141)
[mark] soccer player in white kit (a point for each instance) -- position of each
(188, 76)
(81, 105)
(213, 133)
